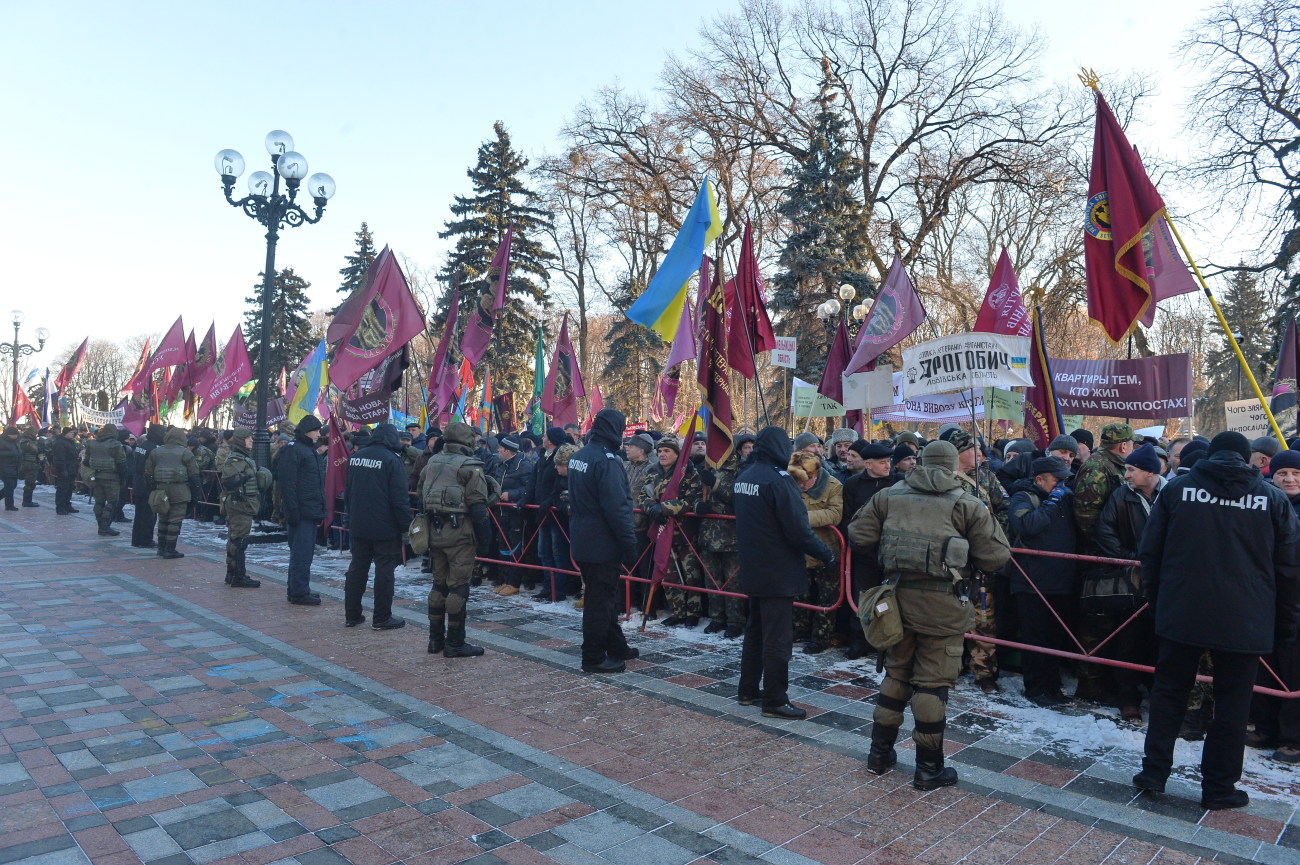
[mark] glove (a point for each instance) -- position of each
(657, 514)
(707, 477)
(1057, 494)
(703, 507)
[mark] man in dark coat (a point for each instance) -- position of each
(1219, 565)
(1041, 514)
(64, 458)
(11, 461)
(600, 526)
(145, 519)
(774, 536)
(302, 503)
(514, 474)
(877, 475)
(379, 511)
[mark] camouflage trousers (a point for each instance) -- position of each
(237, 528)
(105, 496)
(984, 656)
(169, 523)
(683, 570)
(722, 567)
(29, 482)
(823, 591)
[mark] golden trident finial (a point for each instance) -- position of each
(1089, 78)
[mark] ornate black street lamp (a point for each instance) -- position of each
(275, 210)
(17, 350)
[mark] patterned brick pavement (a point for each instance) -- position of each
(152, 715)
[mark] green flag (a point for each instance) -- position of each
(536, 419)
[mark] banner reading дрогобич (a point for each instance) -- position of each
(966, 360)
(1156, 387)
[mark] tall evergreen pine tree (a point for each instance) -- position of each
(1250, 316)
(499, 199)
(291, 337)
(354, 273)
(828, 245)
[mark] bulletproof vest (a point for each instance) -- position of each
(443, 493)
(250, 488)
(168, 465)
(913, 537)
(99, 455)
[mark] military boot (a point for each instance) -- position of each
(931, 774)
(882, 756)
(456, 646)
(437, 631)
(106, 529)
(27, 499)
(170, 552)
(241, 579)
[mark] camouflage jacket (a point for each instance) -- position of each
(636, 479)
(1100, 475)
(656, 485)
(205, 459)
(719, 536)
(31, 450)
(986, 487)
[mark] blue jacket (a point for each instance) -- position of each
(1040, 523)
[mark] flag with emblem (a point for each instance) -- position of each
(374, 323)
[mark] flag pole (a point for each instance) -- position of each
(1232, 340)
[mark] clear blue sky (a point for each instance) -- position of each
(113, 220)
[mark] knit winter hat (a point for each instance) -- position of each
(1287, 459)
(556, 436)
(669, 442)
(940, 454)
(1144, 458)
(804, 439)
(644, 442)
(1230, 441)
(1083, 437)
(1064, 443)
(901, 453)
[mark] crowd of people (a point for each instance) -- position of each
(519, 510)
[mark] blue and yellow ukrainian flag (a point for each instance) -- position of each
(660, 306)
(315, 378)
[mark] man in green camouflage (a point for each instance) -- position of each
(721, 551)
(984, 485)
(683, 567)
(241, 498)
(173, 477)
(31, 449)
(1100, 475)
(104, 465)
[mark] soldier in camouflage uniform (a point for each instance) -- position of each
(172, 475)
(104, 464)
(983, 484)
(241, 498)
(205, 461)
(1098, 477)
(683, 567)
(410, 455)
(31, 467)
(720, 550)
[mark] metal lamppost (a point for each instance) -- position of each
(275, 210)
(17, 350)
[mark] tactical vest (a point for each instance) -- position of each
(31, 452)
(443, 494)
(249, 490)
(917, 529)
(169, 466)
(99, 454)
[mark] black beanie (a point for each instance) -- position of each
(556, 436)
(1230, 441)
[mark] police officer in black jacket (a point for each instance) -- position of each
(774, 535)
(379, 511)
(64, 458)
(1220, 568)
(600, 525)
(145, 520)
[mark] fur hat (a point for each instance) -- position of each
(803, 466)
(1083, 437)
(843, 434)
(563, 452)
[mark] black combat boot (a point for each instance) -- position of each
(456, 646)
(27, 499)
(106, 529)
(931, 774)
(882, 756)
(437, 632)
(170, 552)
(241, 580)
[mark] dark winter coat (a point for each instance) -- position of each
(11, 457)
(143, 447)
(64, 457)
(1119, 528)
(1010, 474)
(516, 478)
(1219, 558)
(1039, 523)
(378, 504)
(772, 523)
(858, 490)
(600, 505)
(301, 478)
(545, 478)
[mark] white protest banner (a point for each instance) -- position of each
(864, 389)
(966, 360)
(805, 401)
(99, 418)
(941, 408)
(1247, 417)
(784, 353)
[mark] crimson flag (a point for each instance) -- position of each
(504, 403)
(204, 357)
(832, 383)
(895, 314)
(597, 403)
(137, 379)
(1042, 414)
(714, 372)
(1284, 380)
(171, 351)
(226, 377)
(483, 321)
(72, 367)
(1003, 310)
(563, 385)
(336, 467)
(374, 323)
(139, 408)
(442, 373)
(1123, 205)
(749, 330)
(23, 408)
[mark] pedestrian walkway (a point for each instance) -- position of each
(153, 715)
